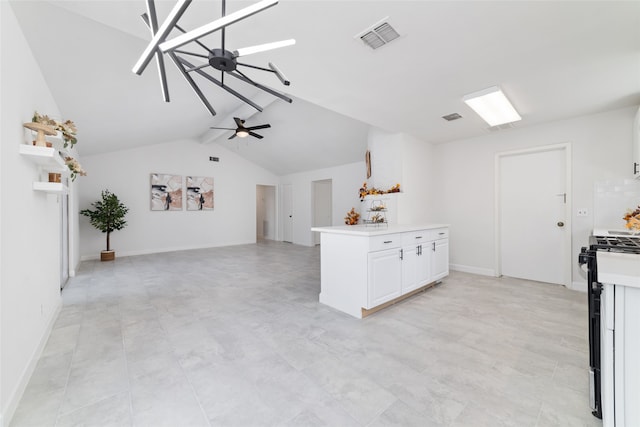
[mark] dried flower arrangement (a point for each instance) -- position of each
(352, 217)
(68, 128)
(364, 191)
(633, 220)
(75, 167)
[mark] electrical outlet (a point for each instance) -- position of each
(583, 212)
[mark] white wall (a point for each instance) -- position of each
(416, 199)
(386, 158)
(29, 222)
(464, 194)
(346, 180)
(127, 174)
(398, 158)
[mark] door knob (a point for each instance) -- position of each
(560, 224)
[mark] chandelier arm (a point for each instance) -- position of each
(151, 21)
(198, 42)
(177, 60)
(245, 76)
(216, 25)
(256, 67)
(161, 34)
(264, 88)
(224, 12)
(219, 83)
(197, 67)
(184, 52)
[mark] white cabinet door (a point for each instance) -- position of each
(410, 261)
(439, 259)
(424, 265)
(385, 276)
(416, 267)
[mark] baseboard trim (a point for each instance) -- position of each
(162, 250)
(472, 270)
(579, 286)
(16, 395)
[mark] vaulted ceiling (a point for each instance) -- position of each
(554, 60)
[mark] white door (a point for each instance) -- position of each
(321, 206)
(532, 225)
(287, 212)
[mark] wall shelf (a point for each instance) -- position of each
(50, 187)
(45, 157)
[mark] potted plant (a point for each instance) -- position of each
(108, 216)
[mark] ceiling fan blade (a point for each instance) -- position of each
(256, 135)
(222, 128)
(244, 51)
(259, 127)
(239, 122)
(232, 136)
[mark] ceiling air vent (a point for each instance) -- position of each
(501, 127)
(451, 117)
(378, 35)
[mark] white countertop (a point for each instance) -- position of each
(618, 268)
(370, 230)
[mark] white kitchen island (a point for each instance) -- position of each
(366, 268)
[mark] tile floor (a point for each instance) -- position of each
(235, 336)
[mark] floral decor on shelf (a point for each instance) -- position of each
(633, 220)
(352, 217)
(75, 167)
(364, 191)
(67, 128)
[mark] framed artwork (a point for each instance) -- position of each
(199, 193)
(166, 192)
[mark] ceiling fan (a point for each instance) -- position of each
(242, 132)
(218, 59)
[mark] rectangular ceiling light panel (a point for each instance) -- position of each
(493, 106)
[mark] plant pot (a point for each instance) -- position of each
(107, 255)
(55, 177)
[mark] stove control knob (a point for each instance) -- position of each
(560, 224)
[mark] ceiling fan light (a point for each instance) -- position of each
(242, 133)
(492, 106)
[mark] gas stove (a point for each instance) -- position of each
(620, 244)
(613, 257)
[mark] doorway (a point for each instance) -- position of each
(64, 239)
(287, 213)
(533, 214)
(322, 206)
(266, 212)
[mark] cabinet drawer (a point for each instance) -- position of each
(387, 241)
(439, 233)
(416, 237)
